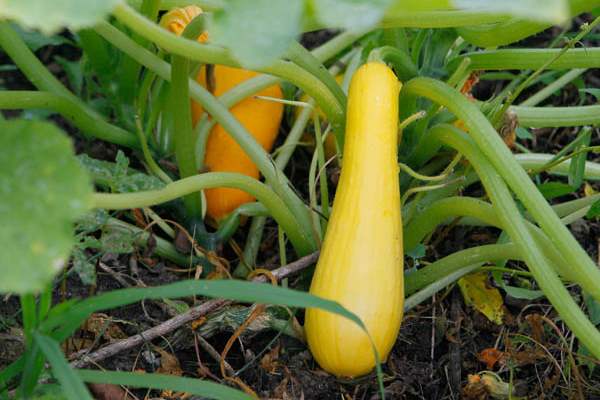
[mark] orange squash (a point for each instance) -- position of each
(261, 118)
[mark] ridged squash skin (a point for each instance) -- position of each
(261, 118)
(361, 260)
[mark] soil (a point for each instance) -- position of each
(440, 343)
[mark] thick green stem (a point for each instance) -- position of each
(41, 78)
(514, 224)
(532, 161)
(505, 164)
(549, 90)
(555, 117)
(181, 116)
(511, 59)
(452, 207)
(192, 184)
(255, 232)
(89, 123)
(211, 54)
(445, 266)
(221, 114)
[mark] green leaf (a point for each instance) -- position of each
(258, 31)
(118, 176)
(72, 385)
(594, 210)
(577, 166)
(593, 92)
(555, 11)
(349, 14)
(551, 190)
(522, 293)
(593, 308)
(36, 40)
(523, 133)
(199, 387)
(51, 16)
(44, 190)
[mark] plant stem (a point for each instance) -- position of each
(255, 233)
(192, 184)
(210, 54)
(555, 117)
(181, 116)
(511, 59)
(443, 267)
(89, 123)
(553, 87)
(399, 60)
(163, 248)
(532, 161)
(221, 114)
(505, 164)
(513, 223)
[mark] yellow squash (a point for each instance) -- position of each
(361, 261)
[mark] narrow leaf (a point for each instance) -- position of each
(197, 387)
(72, 385)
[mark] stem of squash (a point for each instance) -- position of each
(274, 176)
(443, 267)
(192, 184)
(514, 224)
(491, 145)
(181, 116)
(90, 124)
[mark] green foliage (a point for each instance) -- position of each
(349, 14)
(44, 190)
(51, 16)
(256, 31)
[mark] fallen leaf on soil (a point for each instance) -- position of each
(486, 384)
(105, 391)
(269, 361)
(477, 293)
(490, 357)
(169, 364)
(102, 325)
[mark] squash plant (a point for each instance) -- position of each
(140, 81)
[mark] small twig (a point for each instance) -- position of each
(188, 316)
(215, 354)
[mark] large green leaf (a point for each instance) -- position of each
(536, 10)
(257, 31)
(43, 190)
(555, 11)
(349, 14)
(50, 16)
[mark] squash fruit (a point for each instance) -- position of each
(260, 117)
(361, 260)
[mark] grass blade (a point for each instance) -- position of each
(72, 385)
(198, 387)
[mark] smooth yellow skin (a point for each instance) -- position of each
(361, 262)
